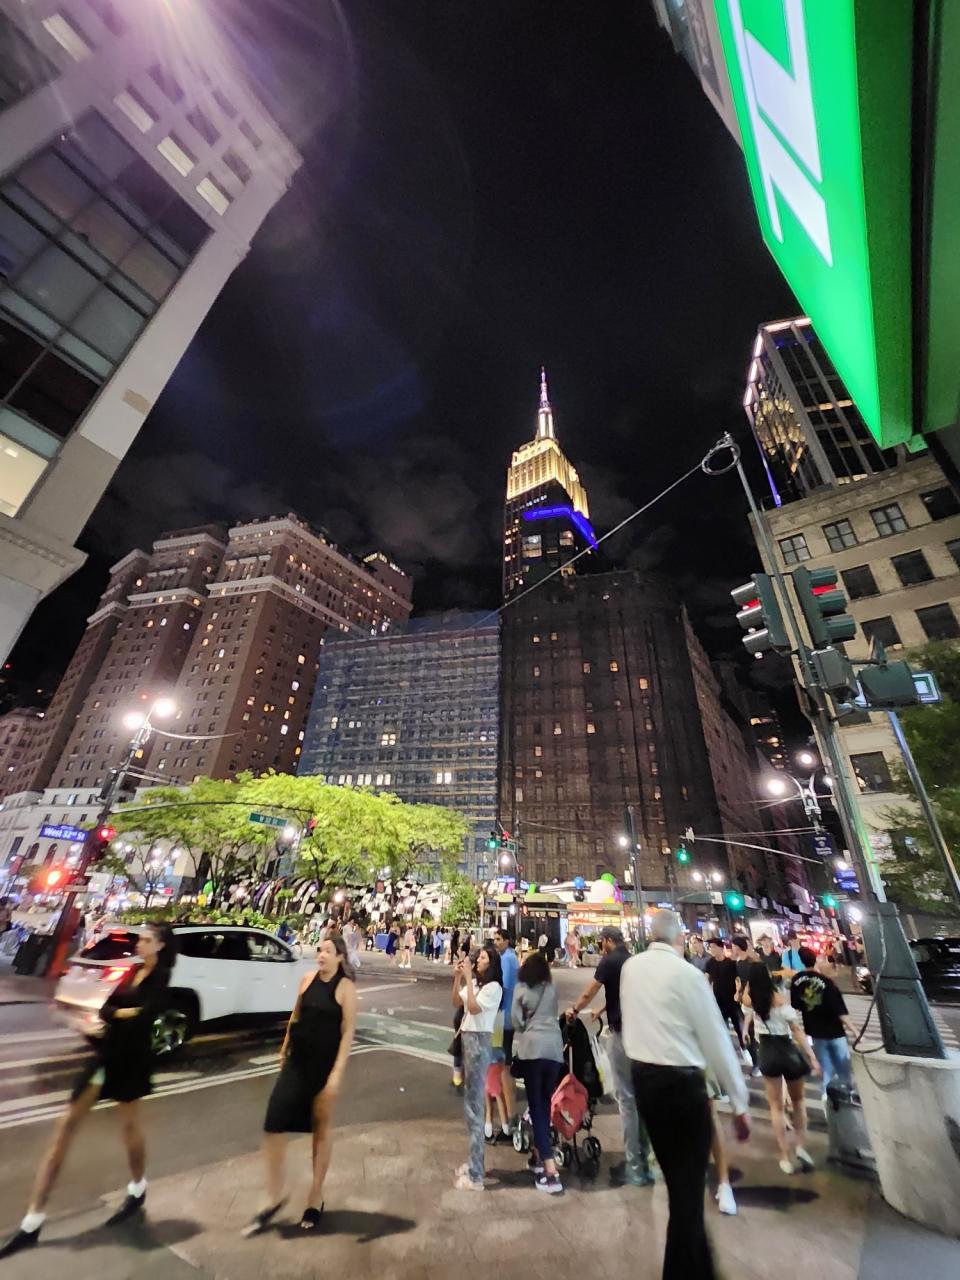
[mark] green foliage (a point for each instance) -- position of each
(912, 872)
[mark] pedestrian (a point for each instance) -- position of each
(6, 915)
(454, 947)
(543, 946)
(785, 1055)
(409, 946)
(572, 947)
(393, 938)
(635, 1170)
(790, 962)
(120, 1069)
(746, 955)
(699, 957)
(353, 937)
(466, 944)
(439, 942)
(825, 1017)
(493, 1091)
(313, 1058)
(770, 956)
(538, 1047)
(477, 990)
(721, 973)
(672, 1031)
(509, 966)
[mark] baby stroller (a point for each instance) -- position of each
(582, 1066)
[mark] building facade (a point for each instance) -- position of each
(546, 517)
(692, 27)
(415, 712)
(137, 164)
(19, 730)
(605, 703)
(888, 521)
(246, 680)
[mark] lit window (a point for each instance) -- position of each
(444, 776)
(557, 729)
(284, 728)
(173, 150)
(536, 638)
(301, 659)
(536, 671)
(643, 683)
(214, 194)
(586, 668)
(68, 36)
(591, 727)
(614, 666)
(139, 113)
(538, 751)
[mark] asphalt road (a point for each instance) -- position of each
(209, 1103)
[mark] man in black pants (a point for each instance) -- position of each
(672, 1033)
(722, 975)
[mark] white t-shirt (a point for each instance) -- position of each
(489, 997)
(782, 1016)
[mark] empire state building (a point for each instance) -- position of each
(546, 519)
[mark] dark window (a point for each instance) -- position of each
(22, 67)
(939, 622)
(107, 13)
(166, 83)
(117, 945)
(912, 567)
(953, 546)
(889, 520)
(941, 503)
(55, 394)
(840, 535)
(242, 171)
(794, 549)
(881, 629)
(203, 125)
(263, 947)
(872, 771)
(224, 103)
(252, 137)
(859, 582)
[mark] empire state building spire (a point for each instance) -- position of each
(545, 429)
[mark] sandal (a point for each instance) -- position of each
(262, 1220)
(311, 1218)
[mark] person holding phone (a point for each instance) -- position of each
(477, 989)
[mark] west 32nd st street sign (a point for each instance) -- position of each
(849, 120)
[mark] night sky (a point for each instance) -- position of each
(488, 186)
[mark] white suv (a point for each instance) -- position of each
(221, 971)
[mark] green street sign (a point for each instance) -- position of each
(823, 94)
(268, 820)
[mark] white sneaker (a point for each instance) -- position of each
(725, 1200)
(805, 1160)
(488, 1130)
(786, 1166)
(745, 1058)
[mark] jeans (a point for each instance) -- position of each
(540, 1077)
(636, 1144)
(672, 1102)
(477, 1056)
(834, 1059)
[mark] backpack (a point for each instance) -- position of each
(568, 1106)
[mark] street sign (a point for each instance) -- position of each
(823, 94)
(74, 834)
(268, 820)
(846, 878)
(928, 690)
(824, 845)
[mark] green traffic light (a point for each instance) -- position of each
(733, 900)
(829, 900)
(492, 845)
(683, 855)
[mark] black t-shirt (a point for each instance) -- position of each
(608, 974)
(743, 971)
(723, 975)
(820, 1002)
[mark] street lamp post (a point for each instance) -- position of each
(66, 925)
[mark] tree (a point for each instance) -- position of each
(411, 835)
(462, 906)
(911, 869)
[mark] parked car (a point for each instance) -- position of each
(938, 960)
(221, 971)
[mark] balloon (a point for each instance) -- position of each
(579, 882)
(609, 877)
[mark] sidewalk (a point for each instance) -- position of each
(391, 1211)
(17, 989)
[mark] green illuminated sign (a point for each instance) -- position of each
(823, 93)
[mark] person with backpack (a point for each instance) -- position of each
(538, 1051)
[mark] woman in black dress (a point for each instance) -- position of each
(314, 1054)
(120, 1069)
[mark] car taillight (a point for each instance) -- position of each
(113, 972)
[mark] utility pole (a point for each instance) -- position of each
(905, 1018)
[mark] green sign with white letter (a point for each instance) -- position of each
(823, 92)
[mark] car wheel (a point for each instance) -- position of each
(172, 1028)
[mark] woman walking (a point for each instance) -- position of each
(314, 1055)
(538, 1046)
(393, 937)
(120, 1070)
(479, 994)
(785, 1055)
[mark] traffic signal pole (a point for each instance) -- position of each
(905, 1019)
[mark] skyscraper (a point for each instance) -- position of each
(137, 166)
(415, 712)
(546, 518)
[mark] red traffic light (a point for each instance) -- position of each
(54, 877)
(105, 834)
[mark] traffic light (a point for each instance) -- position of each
(823, 605)
(834, 672)
(760, 615)
(683, 857)
(100, 839)
(54, 877)
(492, 843)
(733, 899)
(830, 901)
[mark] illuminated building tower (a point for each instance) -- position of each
(546, 519)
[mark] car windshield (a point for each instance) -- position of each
(117, 945)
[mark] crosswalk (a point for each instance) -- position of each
(862, 1010)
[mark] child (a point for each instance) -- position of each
(494, 1086)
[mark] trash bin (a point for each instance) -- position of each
(847, 1130)
(32, 954)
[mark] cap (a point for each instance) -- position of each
(614, 934)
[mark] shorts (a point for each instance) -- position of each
(779, 1057)
(494, 1083)
(508, 1045)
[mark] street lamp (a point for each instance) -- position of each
(716, 876)
(697, 875)
(781, 784)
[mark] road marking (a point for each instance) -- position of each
(31, 1037)
(265, 1058)
(35, 1100)
(41, 1062)
(380, 986)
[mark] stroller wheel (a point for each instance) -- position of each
(592, 1149)
(564, 1155)
(527, 1141)
(518, 1138)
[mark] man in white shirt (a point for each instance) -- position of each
(672, 1033)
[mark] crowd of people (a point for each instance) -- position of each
(669, 1052)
